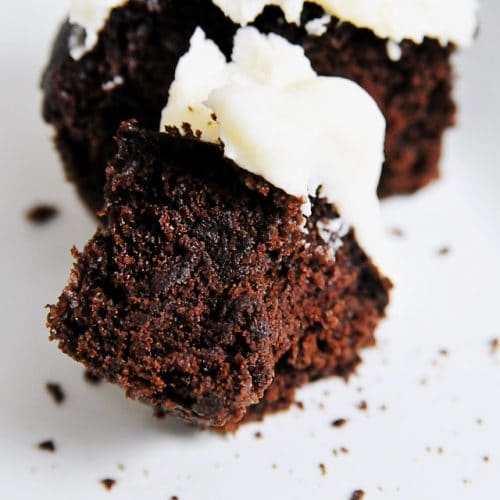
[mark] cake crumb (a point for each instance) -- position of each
(443, 352)
(398, 232)
(299, 405)
(344, 450)
(363, 405)
(41, 213)
(120, 467)
(479, 421)
(91, 377)
(274, 466)
(486, 459)
(383, 407)
(47, 445)
(495, 345)
(108, 483)
(358, 495)
(340, 422)
(440, 450)
(56, 392)
(322, 468)
(444, 251)
(175, 497)
(466, 481)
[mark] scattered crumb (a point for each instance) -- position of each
(428, 449)
(363, 406)
(344, 450)
(359, 389)
(236, 456)
(258, 435)
(299, 405)
(326, 393)
(174, 498)
(47, 446)
(423, 381)
(55, 392)
(479, 421)
(358, 495)
(466, 481)
(108, 483)
(340, 422)
(322, 468)
(443, 352)
(440, 450)
(41, 213)
(145, 472)
(398, 232)
(120, 467)
(321, 406)
(444, 251)
(91, 377)
(383, 408)
(486, 459)
(495, 345)
(274, 466)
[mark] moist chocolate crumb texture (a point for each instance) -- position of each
(114, 60)
(233, 265)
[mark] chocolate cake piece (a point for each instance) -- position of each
(204, 296)
(128, 72)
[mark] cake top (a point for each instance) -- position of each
(276, 118)
(452, 21)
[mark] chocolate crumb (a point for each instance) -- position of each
(363, 406)
(175, 497)
(91, 377)
(444, 251)
(322, 468)
(495, 345)
(55, 392)
(398, 232)
(47, 446)
(41, 213)
(299, 405)
(258, 435)
(108, 483)
(344, 450)
(358, 495)
(340, 422)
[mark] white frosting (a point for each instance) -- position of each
(91, 15)
(445, 20)
(394, 51)
(278, 119)
(318, 26)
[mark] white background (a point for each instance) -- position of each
(449, 302)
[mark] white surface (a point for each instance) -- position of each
(445, 20)
(278, 119)
(443, 302)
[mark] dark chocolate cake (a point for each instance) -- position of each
(128, 73)
(203, 295)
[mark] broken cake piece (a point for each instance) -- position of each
(115, 60)
(242, 253)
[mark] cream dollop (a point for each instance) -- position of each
(276, 118)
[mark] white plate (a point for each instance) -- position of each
(443, 302)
